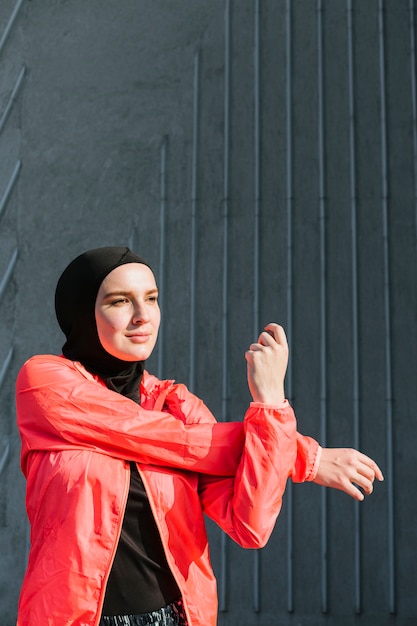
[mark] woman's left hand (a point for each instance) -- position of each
(348, 470)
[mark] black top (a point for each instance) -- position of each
(140, 580)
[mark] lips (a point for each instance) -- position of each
(139, 337)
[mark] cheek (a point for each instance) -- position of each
(107, 325)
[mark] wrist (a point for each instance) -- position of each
(272, 398)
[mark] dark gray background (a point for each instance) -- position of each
(262, 156)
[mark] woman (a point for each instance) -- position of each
(121, 467)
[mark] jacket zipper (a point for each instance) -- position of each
(116, 543)
(167, 552)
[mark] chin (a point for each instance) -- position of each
(138, 356)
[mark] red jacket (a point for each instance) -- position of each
(77, 439)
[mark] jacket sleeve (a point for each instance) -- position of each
(308, 451)
(308, 459)
(246, 507)
(58, 408)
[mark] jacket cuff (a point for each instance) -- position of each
(263, 405)
(308, 459)
(315, 467)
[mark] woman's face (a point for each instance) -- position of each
(127, 312)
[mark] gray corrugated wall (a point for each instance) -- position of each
(263, 156)
(12, 521)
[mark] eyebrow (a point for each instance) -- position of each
(112, 294)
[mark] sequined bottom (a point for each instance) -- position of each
(171, 615)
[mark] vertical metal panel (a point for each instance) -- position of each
(162, 250)
(355, 309)
(12, 99)
(387, 307)
(13, 544)
(323, 297)
(8, 273)
(10, 24)
(4, 456)
(7, 361)
(225, 213)
(413, 79)
(257, 165)
(289, 211)
(257, 209)
(10, 186)
(225, 278)
(194, 203)
(5, 366)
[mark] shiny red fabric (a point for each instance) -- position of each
(77, 439)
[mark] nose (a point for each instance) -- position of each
(140, 314)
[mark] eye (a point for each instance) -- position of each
(119, 301)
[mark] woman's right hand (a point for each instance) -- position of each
(267, 361)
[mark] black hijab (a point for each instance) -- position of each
(75, 299)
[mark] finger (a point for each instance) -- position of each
(266, 339)
(368, 462)
(251, 352)
(255, 347)
(353, 491)
(278, 333)
(365, 484)
(366, 471)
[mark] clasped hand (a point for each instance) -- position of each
(267, 361)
